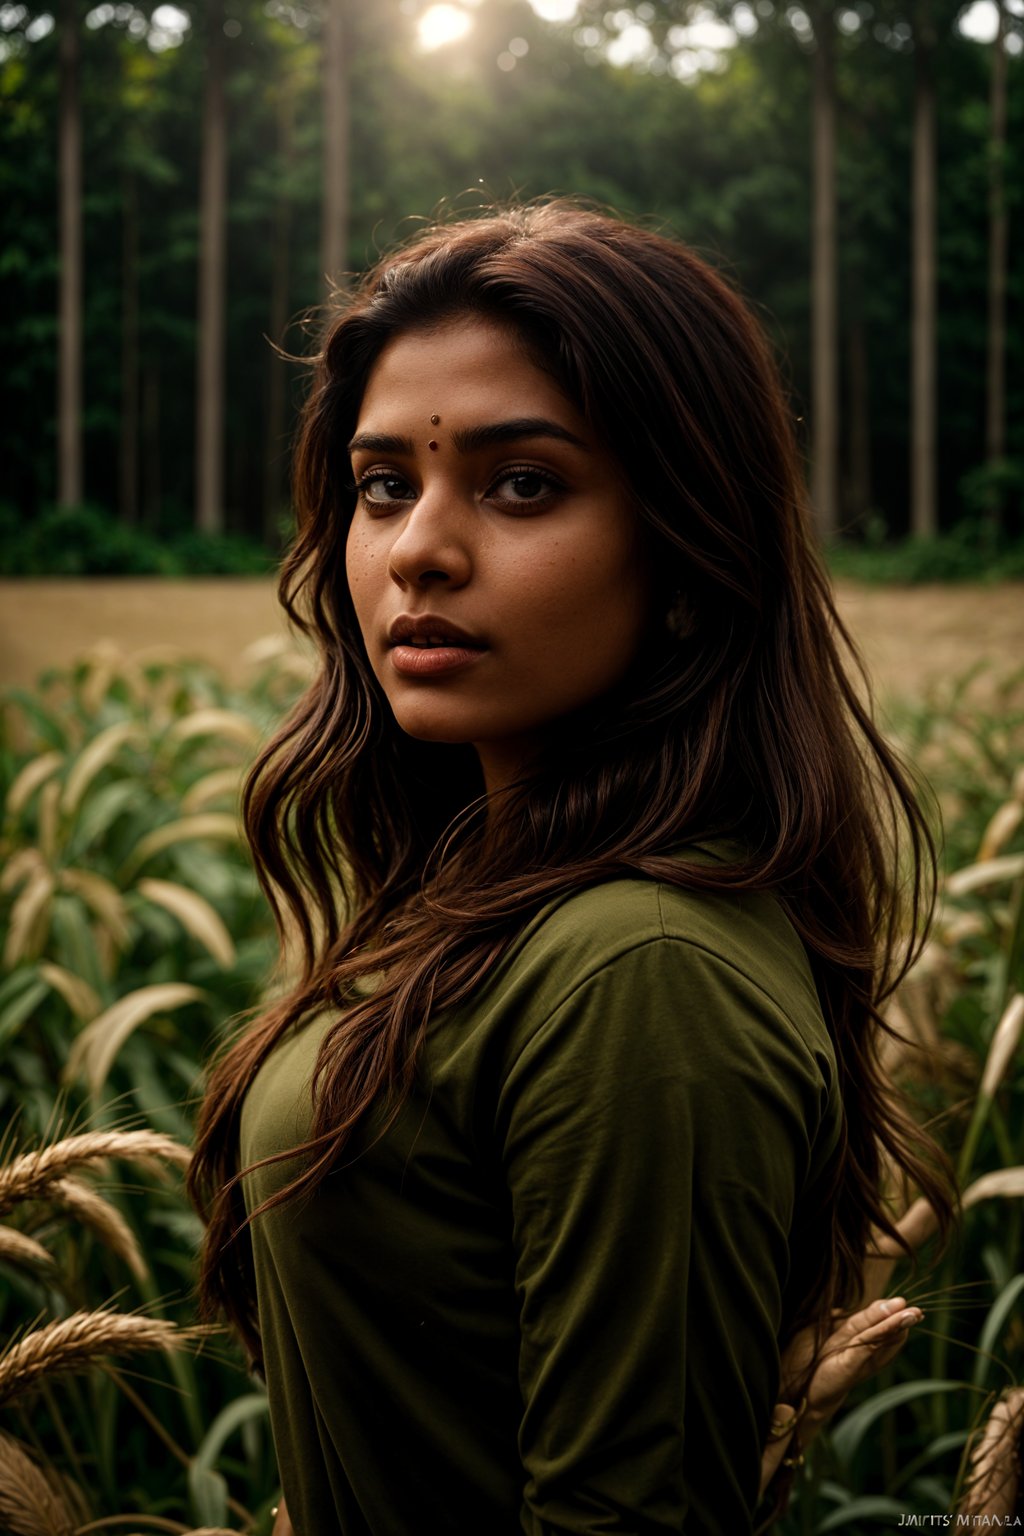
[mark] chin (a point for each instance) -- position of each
(425, 725)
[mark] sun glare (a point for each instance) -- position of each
(442, 24)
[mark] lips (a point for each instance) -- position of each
(427, 647)
(429, 632)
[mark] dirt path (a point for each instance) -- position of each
(911, 637)
(914, 637)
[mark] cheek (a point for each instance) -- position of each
(598, 597)
(364, 563)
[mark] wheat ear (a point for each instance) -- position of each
(30, 1502)
(75, 1342)
(82, 1201)
(994, 1477)
(27, 1177)
(18, 1248)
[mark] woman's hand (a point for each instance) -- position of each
(282, 1524)
(859, 1347)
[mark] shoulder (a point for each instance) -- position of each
(658, 958)
(676, 927)
(699, 1006)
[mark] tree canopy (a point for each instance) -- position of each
(698, 118)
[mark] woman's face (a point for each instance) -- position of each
(493, 558)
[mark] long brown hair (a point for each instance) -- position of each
(373, 848)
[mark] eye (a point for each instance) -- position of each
(381, 488)
(524, 487)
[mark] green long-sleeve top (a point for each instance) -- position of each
(548, 1299)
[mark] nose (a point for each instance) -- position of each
(432, 545)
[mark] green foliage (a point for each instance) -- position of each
(135, 934)
(903, 1445)
(723, 160)
(970, 552)
(86, 541)
(994, 492)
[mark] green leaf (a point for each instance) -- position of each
(872, 1506)
(50, 729)
(931, 1493)
(941, 1446)
(995, 1322)
(227, 1423)
(850, 1431)
(997, 1264)
(154, 1099)
(21, 1009)
(74, 946)
(209, 1494)
(100, 812)
(14, 984)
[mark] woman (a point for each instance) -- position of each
(571, 1115)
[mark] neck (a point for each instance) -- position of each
(505, 763)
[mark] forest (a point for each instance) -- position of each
(186, 186)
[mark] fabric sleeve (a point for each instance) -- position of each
(664, 1076)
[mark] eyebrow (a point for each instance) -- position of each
(470, 439)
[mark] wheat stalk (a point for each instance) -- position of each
(217, 825)
(49, 820)
(1005, 1182)
(80, 997)
(29, 1176)
(1004, 1046)
(18, 1248)
(220, 783)
(994, 1475)
(29, 919)
(156, 1523)
(19, 866)
(103, 899)
(30, 1503)
(74, 1342)
(94, 1050)
(224, 724)
(104, 1219)
(975, 877)
(94, 758)
(196, 916)
(1000, 830)
(34, 774)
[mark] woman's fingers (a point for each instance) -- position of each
(874, 1322)
(858, 1346)
(861, 1345)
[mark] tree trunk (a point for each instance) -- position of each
(151, 464)
(69, 372)
(859, 415)
(210, 348)
(129, 446)
(923, 505)
(334, 232)
(998, 244)
(274, 480)
(824, 319)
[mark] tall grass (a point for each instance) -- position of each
(134, 932)
(939, 1432)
